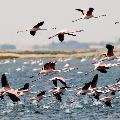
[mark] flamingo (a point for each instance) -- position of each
(117, 22)
(35, 28)
(14, 94)
(107, 100)
(24, 90)
(39, 96)
(110, 50)
(87, 14)
(61, 79)
(84, 89)
(61, 34)
(57, 91)
(110, 53)
(96, 94)
(88, 86)
(101, 67)
(5, 86)
(48, 68)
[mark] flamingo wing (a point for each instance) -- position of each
(63, 82)
(47, 66)
(13, 97)
(4, 81)
(94, 81)
(83, 12)
(55, 83)
(39, 24)
(86, 86)
(41, 93)
(110, 50)
(58, 97)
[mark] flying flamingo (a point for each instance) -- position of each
(57, 91)
(61, 79)
(61, 34)
(35, 28)
(39, 96)
(117, 22)
(88, 86)
(84, 89)
(48, 68)
(107, 100)
(110, 53)
(110, 50)
(87, 14)
(5, 85)
(101, 67)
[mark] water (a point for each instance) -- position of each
(72, 107)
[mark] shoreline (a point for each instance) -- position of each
(4, 54)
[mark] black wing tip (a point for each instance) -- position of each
(26, 86)
(102, 70)
(4, 81)
(13, 97)
(42, 92)
(41, 23)
(109, 46)
(86, 86)
(91, 8)
(79, 10)
(95, 79)
(96, 76)
(3, 75)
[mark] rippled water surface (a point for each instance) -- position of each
(72, 107)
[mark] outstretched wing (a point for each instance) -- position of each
(46, 66)
(26, 86)
(58, 97)
(86, 86)
(41, 93)
(52, 65)
(63, 82)
(102, 70)
(83, 12)
(39, 24)
(4, 81)
(110, 50)
(94, 81)
(55, 83)
(117, 22)
(49, 66)
(109, 47)
(13, 97)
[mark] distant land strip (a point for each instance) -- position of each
(5, 54)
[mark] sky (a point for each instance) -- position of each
(24, 14)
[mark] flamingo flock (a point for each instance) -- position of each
(58, 83)
(86, 15)
(102, 94)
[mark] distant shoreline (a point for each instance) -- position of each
(4, 54)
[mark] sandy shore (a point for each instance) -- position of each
(53, 54)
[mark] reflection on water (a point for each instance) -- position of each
(72, 107)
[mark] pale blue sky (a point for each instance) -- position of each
(22, 14)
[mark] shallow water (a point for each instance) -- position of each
(72, 107)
